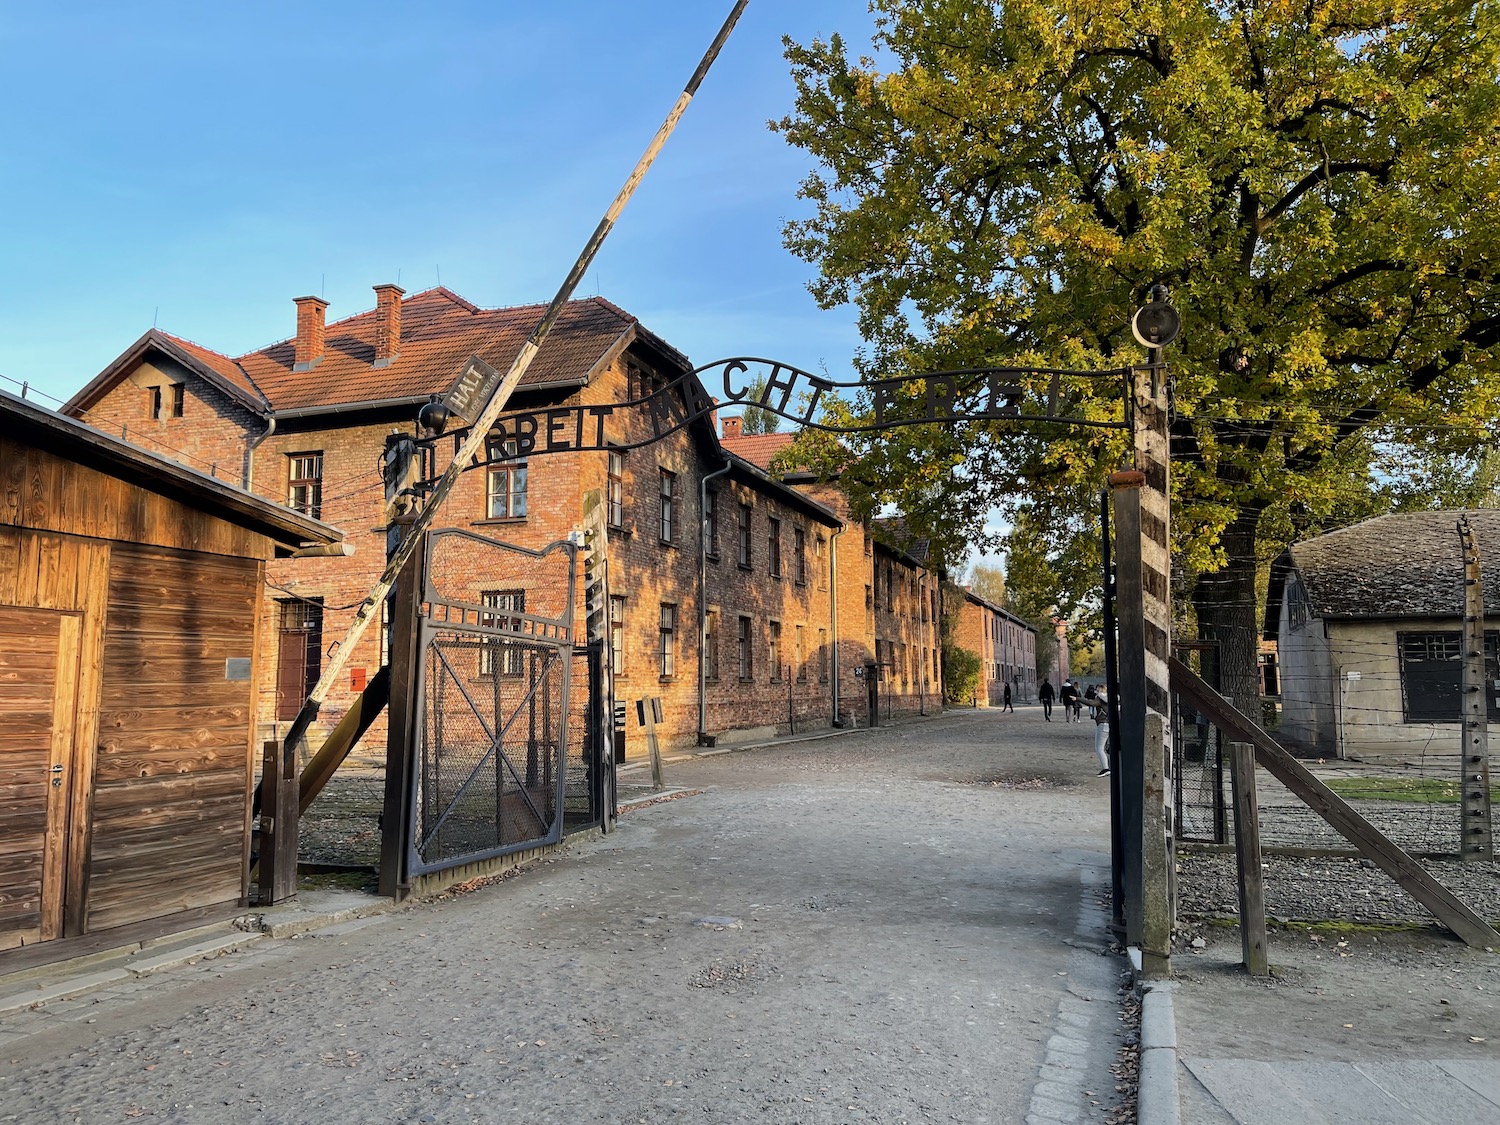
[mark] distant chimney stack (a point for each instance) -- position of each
(311, 312)
(713, 416)
(387, 323)
(733, 426)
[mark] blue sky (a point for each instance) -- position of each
(201, 165)
(198, 165)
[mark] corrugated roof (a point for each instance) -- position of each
(1406, 564)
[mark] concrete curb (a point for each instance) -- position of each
(1157, 1097)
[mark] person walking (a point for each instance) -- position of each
(1007, 705)
(1098, 703)
(1045, 695)
(1068, 697)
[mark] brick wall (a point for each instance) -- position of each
(647, 572)
(212, 435)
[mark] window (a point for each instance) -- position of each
(773, 651)
(305, 483)
(666, 648)
(799, 555)
(500, 655)
(711, 523)
(505, 483)
(818, 562)
(746, 657)
(153, 395)
(179, 397)
(822, 656)
(774, 542)
(1432, 675)
(668, 506)
(744, 536)
(711, 646)
(617, 633)
(801, 654)
(614, 493)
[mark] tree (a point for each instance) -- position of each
(1316, 182)
(988, 582)
(961, 674)
(757, 419)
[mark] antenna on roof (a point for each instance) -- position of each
(440, 275)
(322, 285)
(154, 313)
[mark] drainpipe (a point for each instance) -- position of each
(250, 451)
(833, 613)
(703, 600)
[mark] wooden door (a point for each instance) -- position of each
(291, 674)
(38, 686)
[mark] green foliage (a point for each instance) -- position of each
(961, 674)
(757, 419)
(1319, 185)
(988, 582)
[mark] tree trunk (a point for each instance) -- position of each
(1228, 613)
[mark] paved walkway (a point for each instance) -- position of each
(902, 925)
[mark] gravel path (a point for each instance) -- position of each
(889, 926)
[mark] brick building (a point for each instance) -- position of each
(887, 603)
(1004, 643)
(786, 598)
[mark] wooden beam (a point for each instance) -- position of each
(1476, 839)
(1252, 881)
(1445, 906)
(1130, 599)
(344, 737)
(1157, 897)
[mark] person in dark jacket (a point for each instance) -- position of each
(1007, 705)
(1045, 694)
(1068, 697)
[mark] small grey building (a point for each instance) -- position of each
(1367, 624)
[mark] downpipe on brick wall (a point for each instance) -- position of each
(703, 601)
(833, 615)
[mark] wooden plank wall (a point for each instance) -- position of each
(172, 777)
(41, 491)
(159, 789)
(61, 572)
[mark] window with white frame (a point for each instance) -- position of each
(505, 483)
(666, 647)
(615, 489)
(304, 491)
(500, 654)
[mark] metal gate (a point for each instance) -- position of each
(504, 745)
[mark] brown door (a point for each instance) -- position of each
(298, 657)
(38, 683)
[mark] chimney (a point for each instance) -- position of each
(713, 416)
(387, 323)
(732, 427)
(310, 313)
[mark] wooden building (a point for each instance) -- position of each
(130, 588)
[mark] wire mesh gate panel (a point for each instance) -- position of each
(503, 747)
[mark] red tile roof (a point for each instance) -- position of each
(226, 368)
(758, 449)
(439, 332)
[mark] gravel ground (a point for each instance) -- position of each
(894, 926)
(342, 829)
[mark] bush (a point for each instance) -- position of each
(962, 667)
